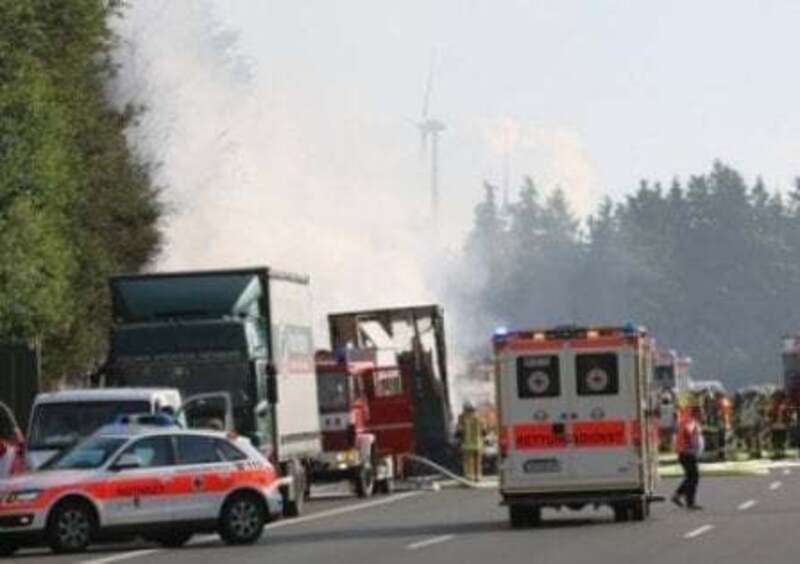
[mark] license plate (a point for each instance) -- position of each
(541, 465)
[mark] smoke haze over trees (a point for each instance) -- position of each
(75, 205)
(710, 265)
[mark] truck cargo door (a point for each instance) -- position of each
(535, 405)
(606, 428)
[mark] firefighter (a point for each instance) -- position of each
(779, 423)
(689, 445)
(471, 432)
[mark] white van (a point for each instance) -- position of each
(60, 419)
(578, 421)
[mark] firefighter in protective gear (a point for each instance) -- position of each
(779, 419)
(471, 432)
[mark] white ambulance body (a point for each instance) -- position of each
(577, 421)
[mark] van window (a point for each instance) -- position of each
(597, 374)
(538, 377)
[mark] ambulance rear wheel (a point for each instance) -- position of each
(522, 516)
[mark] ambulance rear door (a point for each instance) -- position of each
(535, 400)
(606, 426)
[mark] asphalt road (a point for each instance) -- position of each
(746, 520)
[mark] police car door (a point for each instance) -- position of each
(535, 403)
(605, 417)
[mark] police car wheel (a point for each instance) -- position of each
(242, 520)
(70, 528)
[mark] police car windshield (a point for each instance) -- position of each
(332, 391)
(90, 454)
(58, 425)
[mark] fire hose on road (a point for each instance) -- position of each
(442, 470)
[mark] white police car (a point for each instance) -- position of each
(163, 483)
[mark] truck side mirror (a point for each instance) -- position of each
(272, 384)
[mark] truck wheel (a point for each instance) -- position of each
(522, 516)
(639, 510)
(365, 481)
(242, 519)
(385, 486)
(622, 512)
(70, 527)
(294, 507)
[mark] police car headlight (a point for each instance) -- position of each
(23, 496)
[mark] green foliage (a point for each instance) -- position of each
(712, 268)
(75, 205)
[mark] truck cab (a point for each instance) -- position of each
(346, 388)
(577, 417)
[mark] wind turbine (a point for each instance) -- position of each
(431, 127)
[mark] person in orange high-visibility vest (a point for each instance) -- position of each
(470, 434)
(689, 446)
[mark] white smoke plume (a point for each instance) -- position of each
(265, 170)
(552, 156)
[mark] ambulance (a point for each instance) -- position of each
(578, 423)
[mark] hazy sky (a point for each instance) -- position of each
(590, 95)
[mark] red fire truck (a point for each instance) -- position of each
(365, 419)
(577, 415)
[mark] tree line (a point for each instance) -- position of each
(75, 204)
(710, 265)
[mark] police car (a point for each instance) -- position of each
(161, 483)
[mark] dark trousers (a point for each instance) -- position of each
(688, 487)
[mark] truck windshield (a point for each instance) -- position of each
(58, 425)
(92, 453)
(333, 392)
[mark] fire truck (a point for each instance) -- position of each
(416, 416)
(578, 421)
(365, 419)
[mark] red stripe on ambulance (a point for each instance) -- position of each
(533, 436)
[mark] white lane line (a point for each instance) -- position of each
(120, 557)
(747, 505)
(205, 539)
(341, 510)
(697, 532)
(429, 542)
(775, 485)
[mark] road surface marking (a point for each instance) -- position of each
(205, 539)
(787, 471)
(341, 510)
(747, 505)
(775, 485)
(120, 557)
(697, 532)
(429, 542)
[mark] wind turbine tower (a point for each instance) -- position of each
(431, 127)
